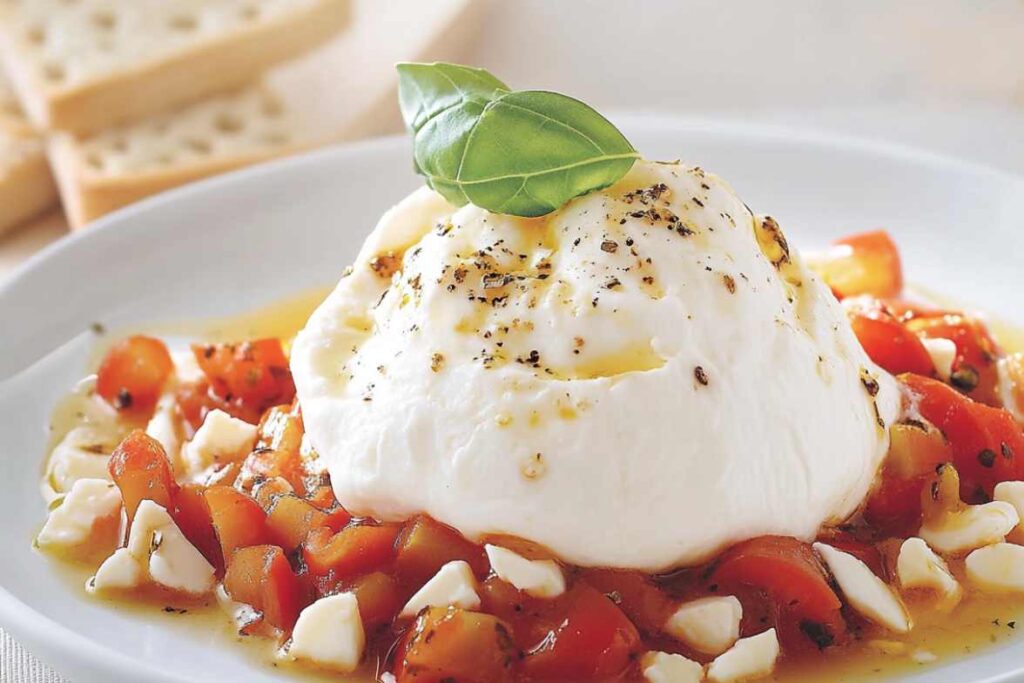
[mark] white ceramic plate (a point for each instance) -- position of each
(237, 242)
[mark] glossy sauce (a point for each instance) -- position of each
(979, 622)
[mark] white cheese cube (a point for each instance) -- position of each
(919, 567)
(186, 367)
(1012, 492)
(943, 353)
(997, 568)
(454, 585)
(748, 659)
(157, 542)
(662, 667)
(329, 633)
(864, 591)
(708, 625)
(120, 571)
(539, 578)
(90, 506)
(165, 428)
(972, 527)
(82, 454)
(221, 439)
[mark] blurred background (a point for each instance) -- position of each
(106, 102)
(939, 74)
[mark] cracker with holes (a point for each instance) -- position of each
(84, 65)
(26, 186)
(342, 91)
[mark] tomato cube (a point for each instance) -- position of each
(140, 468)
(594, 640)
(380, 598)
(449, 644)
(975, 369)
(192, 515)
(260, 576)
(425, 546)
(646, 605)
(290, 519)
(133, 373)
(353, 551)
(865, 263)
(238, 519)
(888, 342)
(256, 372)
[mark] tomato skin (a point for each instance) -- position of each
(260, 576)
(987, 443)
(975, 370)
(788, 574)
(452, 645)
(255, 372)
(193, 517)
(889, 343)
(140, 468)
(594, 640)
(239, 520)
(133, 373)
(425, 546)
(864, 263)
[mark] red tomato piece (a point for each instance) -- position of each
(894, 506)
(975, 371)
(255, 372)
(887, 340)
(987, 443)
(865, 263)
(290, 519)
(450, 644)
(277, 451)
(353, 551)
(646, 605)
(134, 372)
(192, 515)
(786, 572)
(239, 520)
(380, 598)
(594, 640)
(260, 576)
(140, 468)
(425, 546)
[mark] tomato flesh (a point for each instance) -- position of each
(260, 576)
(133, 373)
(140, 468)
(450, 644)
(238, 520)
(290, 520)
(975, 372)
(254, 372)
(425, 546)
(355, 550)
(865, 263)
(888, 342)
(193, 517)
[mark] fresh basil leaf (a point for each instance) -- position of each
(521, 153)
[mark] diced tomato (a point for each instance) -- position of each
(353, 551)
(425, 546)
(975, 371)
(192, 515)
(277, 451)
(888, 342)
(865, 263)
(196, 400)
(323, 498)
(644, 603)
(530, 618)
(290, 520)
(238, 519)
(261, 576)
(787, 573)
(268, 491)
(134, 372)
(894, 506)
(256, 372)
(987, 443)
(916, 449)
(140, 468)
(594, 640)
(380, 598)
(450, 644)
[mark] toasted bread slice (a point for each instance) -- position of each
(26, 186)
(344, 90)
(85, 65)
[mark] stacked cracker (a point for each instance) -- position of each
(138, 96)
(26, 186)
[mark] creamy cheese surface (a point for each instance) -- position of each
(637, 380)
